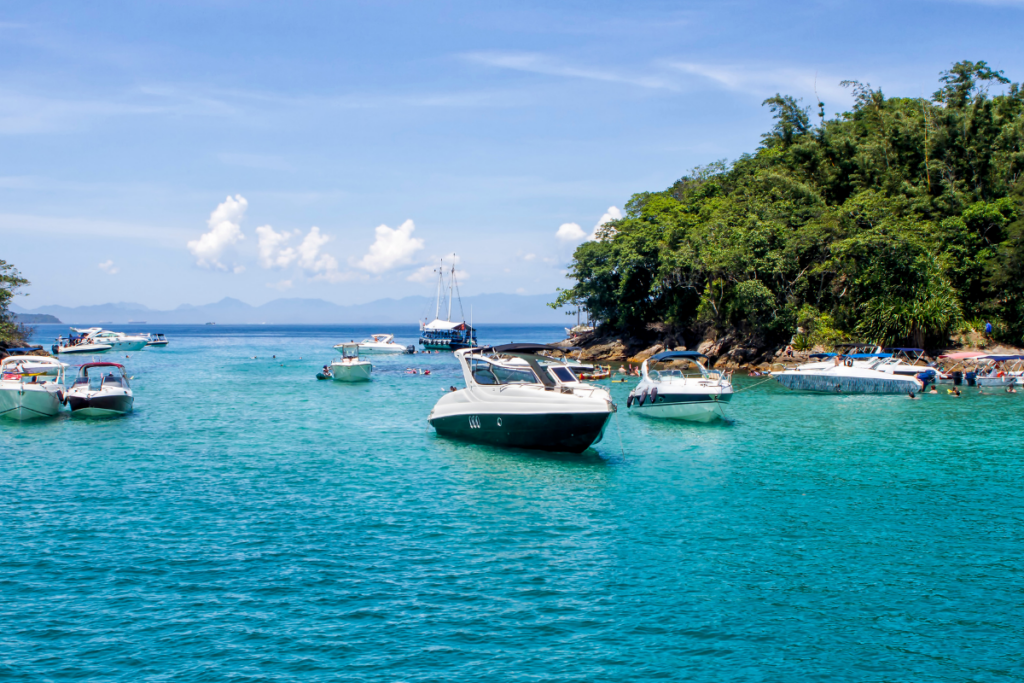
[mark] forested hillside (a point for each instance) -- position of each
(898, 221)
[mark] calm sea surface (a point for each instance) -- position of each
(248, 522)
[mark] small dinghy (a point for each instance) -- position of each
(350, 368)
(101, 390)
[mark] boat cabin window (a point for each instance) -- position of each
(563, 374)
(482, 374)
(112, 380)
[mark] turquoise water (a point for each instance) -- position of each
(250, 523)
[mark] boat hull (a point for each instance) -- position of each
(101, 405)
(553, 432)
(351, 373)
(691, 407)
(29, 404)
(843, 384)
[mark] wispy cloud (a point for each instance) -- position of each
(533, 62)
(760, 81)
(108, 267)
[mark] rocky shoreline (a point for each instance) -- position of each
(731, 350)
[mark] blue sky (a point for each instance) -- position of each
(179, 152)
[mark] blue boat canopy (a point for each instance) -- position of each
(823, 355)
(905, 350)
(1002, 358)
(868, 355)
(668, 355)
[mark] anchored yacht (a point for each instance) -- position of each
(30, 387)
(98, 340)
(380, 343)
(101, 389)
(514, 396)
(447, 335)
(690, 392)
(848, 375)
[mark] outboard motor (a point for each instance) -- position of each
(958, 377)
(971, 377)
(410, 349)
(926, 377)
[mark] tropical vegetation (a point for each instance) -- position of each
(899, 221)
(11, 333)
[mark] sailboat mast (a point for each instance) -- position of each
(437, 307)
(451, 283)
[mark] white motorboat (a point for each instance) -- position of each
(380, 343)
(690, 392)
(31, 387)
(350, 368)
(516, 397)
(157, 339)
(101, 390)
(844, 375)
(98, 340)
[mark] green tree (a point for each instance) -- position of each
(10, 282)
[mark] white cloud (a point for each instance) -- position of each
(612, 214)
(310, 257)
(428, 273)
(281, 285)
(570, 232)
(225, 230)
(533, 62)
(238, 269)
(529, 257)
(393, 247)
(763, 81)
(520, 291)
(108, 267)
(273, 253)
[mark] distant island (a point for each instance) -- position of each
(35, 318)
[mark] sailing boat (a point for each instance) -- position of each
(446, 334)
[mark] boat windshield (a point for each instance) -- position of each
(490, 374)
(681, 369)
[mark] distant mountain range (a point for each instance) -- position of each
(486, 308)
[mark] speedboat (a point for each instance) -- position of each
(100, 390)
(517, 397)
(380, 343)
(98, 340)
(157, 339)
(31, 386)
(846, 376)
(673, 393)
(350, 368)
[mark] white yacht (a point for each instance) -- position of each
(101, 389)
(516, 397)
(350, 368)
(380, 343)
(690, 392)
(30, 387)
(157, 339)
(847, 375)
(98, 340)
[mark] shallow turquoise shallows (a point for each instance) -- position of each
(249, 523)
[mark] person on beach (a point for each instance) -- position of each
(789, 350)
